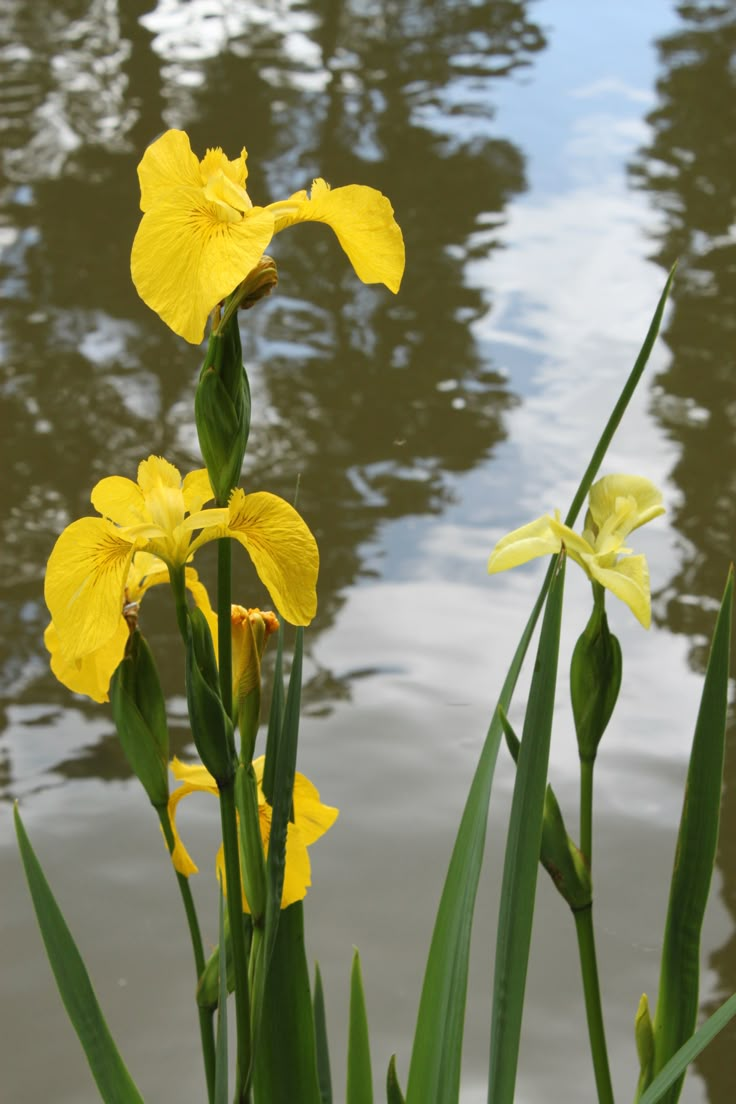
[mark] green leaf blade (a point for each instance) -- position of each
(675, 1068)
(111, 1075)
(677, 999)
(521, 861)
(320, 1030)
(360, 1077)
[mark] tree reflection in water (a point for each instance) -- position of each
(688, 166)
(376, 402)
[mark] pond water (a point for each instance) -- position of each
(547, 166)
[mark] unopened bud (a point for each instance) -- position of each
(595, 679)
(251, 629)
(212, 729)
(139, 712)
(558, 854)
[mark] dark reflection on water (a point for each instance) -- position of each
(689, 168)
(374, 402)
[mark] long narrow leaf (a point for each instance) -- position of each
(394, 1094)
(622, 402)
(284, 768)
(677, 999)
(286, 1056)
(115, 1084)
(320, 1031)
(521, 861)
(678, 1063)
(360, 1078)
(434, 1074)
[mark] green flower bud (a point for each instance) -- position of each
(139, 712)
(558, 854)
(252, 861)
(222, 409)
(212, 729)
(644, 1035)
(595, 679)
(222, 400)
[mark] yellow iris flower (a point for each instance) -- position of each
(311, 820)
(200, 234)
(617, 505)
(161, 514)
(90, 674)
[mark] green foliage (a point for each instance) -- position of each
(394, 1094)
(115, 1084)
(139, 712)
(320, 1030)
(673, 1071)
(523, 845)
(360, 1078)
(677, 1000)
(595, 679)
(212, 729)
(286, 1056)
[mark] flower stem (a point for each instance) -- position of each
(237, 935)
(205, 1017)
(593, 1010)
(230, 842)
(586, 810)
(224, 626)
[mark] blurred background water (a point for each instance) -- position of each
(547, 162)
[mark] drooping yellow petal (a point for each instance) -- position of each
(91, 674)
(537, 538)
(646, 501)
(298, 871)
(628, 579)
(310, 815)
(85, 583)
(202, 601)
(282, 549)
(363, 221)
(194, 775)
(195, 778)
(186, 258)
(167, 164)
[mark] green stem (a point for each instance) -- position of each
(205, 1017)
(593, 1010)
(224, 622)
(586, 810)
(237, 935)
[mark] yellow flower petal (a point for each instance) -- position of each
(91, 674)
(628, 580)
(363, 221)
(186, 259)
(194, 775)
(282, 549)
(119, 499)
(311, 816)
(196, 490)
(537, 538)
(167, 164)
(605, 495)
(195, 778)
(145, 571)
(85, 584)
(298, 872)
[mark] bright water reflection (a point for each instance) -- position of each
(533, 156)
